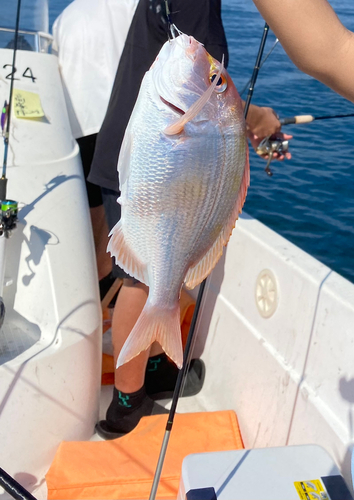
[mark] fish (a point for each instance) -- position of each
(183, 172)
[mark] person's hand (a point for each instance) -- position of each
(255, 141)
(262, 121)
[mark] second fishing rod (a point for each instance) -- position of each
(301, 119)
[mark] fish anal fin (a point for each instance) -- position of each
(124, 255)
(155, 324)
(203, 268)
(243, 187)
(200, 271)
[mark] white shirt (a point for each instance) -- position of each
(89, 37)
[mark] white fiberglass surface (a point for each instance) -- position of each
(16, 336)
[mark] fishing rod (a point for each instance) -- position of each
(263, 61)
(8, 208)
(295, 120)
(13, 488)
(256, 69)
(7, 109)
(187, 350)
(268, 146)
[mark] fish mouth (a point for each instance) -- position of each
(173, 107)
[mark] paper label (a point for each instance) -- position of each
(26, 104)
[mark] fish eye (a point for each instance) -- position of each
(221, 86)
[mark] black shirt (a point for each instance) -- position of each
(148, 32)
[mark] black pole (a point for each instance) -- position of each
(260, 66)
(13, 488)
(3, 180)
(182, 373)
(256, 69)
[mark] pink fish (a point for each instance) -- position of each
(184, 173)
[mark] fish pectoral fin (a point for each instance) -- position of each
(155, 324)
(178, 126)
(124, 255)
(203, 268)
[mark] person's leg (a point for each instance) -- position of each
(100, 236)
(130, 401)
(130, 302)
(98, 219)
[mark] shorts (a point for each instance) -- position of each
(87, 148)
(113, 213)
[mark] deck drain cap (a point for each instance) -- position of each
(266, 293)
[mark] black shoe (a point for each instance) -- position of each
(193, 383)
(109, 429)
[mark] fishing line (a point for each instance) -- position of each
(172, 28)
(264, 60)
(190, 339)
(3, 180)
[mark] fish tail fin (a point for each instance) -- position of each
(154, 323)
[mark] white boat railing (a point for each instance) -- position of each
(36, 41)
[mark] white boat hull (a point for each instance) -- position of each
(50, 342)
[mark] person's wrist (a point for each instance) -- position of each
(255, 115)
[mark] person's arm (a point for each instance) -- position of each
(314, 39)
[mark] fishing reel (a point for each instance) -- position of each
(8, 217)
(268, 147)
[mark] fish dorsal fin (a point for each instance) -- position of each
(203, 268)
(124, 255)
(195, 109)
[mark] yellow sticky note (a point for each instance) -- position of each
(26, 104)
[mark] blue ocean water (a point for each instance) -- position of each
(310, 198)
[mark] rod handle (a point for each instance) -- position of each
(297, 119)
(3, 183)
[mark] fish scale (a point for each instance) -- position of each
(183, 181)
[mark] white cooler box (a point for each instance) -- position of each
(283, 473)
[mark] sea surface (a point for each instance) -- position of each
(310, 198)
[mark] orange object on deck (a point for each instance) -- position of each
(124, 468)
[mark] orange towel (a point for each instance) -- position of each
(187, 305)
(124, 468)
